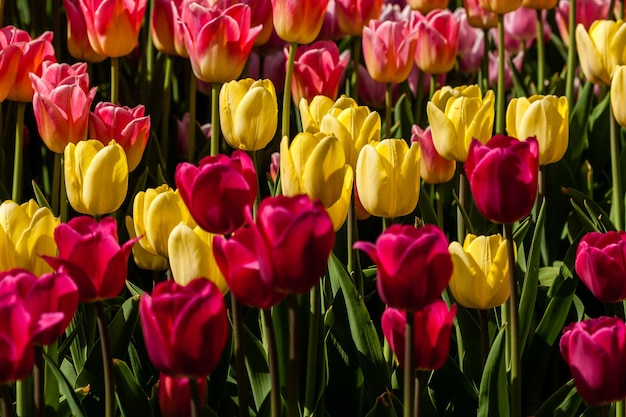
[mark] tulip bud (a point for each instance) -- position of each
(618, 94)
(478, 16)
(298, 20)
(354, 15)
(433, 168)
(77, 38)
(601, 49)
(312, 112)
(437, 42)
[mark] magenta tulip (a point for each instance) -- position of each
(17, 354)
(503, 177)
(185, 327)
(414, 265)
(175, 395)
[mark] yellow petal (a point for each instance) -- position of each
(444, 133)
(108, 171)
(144, 259)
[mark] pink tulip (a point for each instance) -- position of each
(354, 15)
(372, 93)
(432, 327)
(113, 25)
(185, 327)
(478, 17)
(595, 351)
(261, 15)
(522, 24)
(298, 21)
(434, 169)
(77, 39)
(274, 166)
(218, 191)
(17, 354)
(517, 60)
(330, 26)
(414, 265)
(90, 254)
(437, 42)
(471, 43)
(175, 395)
(10, 56)
(167, 34)
(317, 70)
(587, 12)
(128, 127)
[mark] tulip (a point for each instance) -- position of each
(128, 127)
(330, 26)
(414, 265)
(388, 176)
(316, 165)
(18, 356)
(587, 12)
(595, 351)
(77, 38)
(503, 177)
(261, 15)
(389, 49)
(312, 112)
(298, 21)
(471, 43)
(481, 266)
(478, 17)
(372, 93)
(214, 36)
(433, 168)
(274, 166)
(437, 42)
(90, 168)
(175, 395)
(113, 25)
(167, 33)
(248, 113)
(10, 55)
(457, 116)
(354, 15)
(517, 60)
(432, 328)
(522, 24)
(185, 327)
(144, 259)
(601, 49)
(218, 191)
(90, 254)
(540, 4)
(318, 70)
(426, 6)
(26, 232)
(618, 90)
(500, 6)
(546, 118)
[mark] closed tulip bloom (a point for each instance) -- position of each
(175, 395)
(18, 353)
(298, 20)
(413, 265)
(389, 50)
(587, 12)
(91, 167)
(478, 17)
(144, 259)
(433, 168)
(10, 55)
(248, 113)
(261, 15)
(167, 33)
(218, 191)
(388, 176)
(618, 94)
(601, 49)
(113, 25)
(471, 43)
(546, 118)
(503, 177)
(214, 36)
(312, 111)
(97, 277)
(437, 42)
(26, 232)
(77, 38)
(354, 15)
(595, 351)
(316, 165)
(426, 6)
(481, 266)
(601, 264)
(540, 4)
(458, 115)
(185, 327)
(432, 328)
(500, 6)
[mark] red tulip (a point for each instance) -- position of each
(175, 395)
(90, 254)
(218, 191)
(77, 39)
(185, 327)
(434, 169)
(595, 351)
(437, 42)
(503, 177)
(601, 265)
(354, 15)
(298, 20)
(432, 326)
(414, 265)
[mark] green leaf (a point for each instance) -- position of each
(66, 389)
(493, 397)
(564, 402)
(39, 196)
(258, 368)
(131, 398)
(426, 208)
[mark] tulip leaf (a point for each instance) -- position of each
(588, 224)
(131, 398)
(578, 121)
(564, 402)
(40, 196)
(466, 219)
(257, 366)
(65, 388)
(593, 209)
(426, 208)
(451, 386)
(493, 397)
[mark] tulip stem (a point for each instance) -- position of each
(513, 333)
(619, 408)
(293, 388)
(484, 68)
(460, 220)
(616, 176)
(18, 160)
(191, 132)
(571, 56)
(38, 381)
(611, 8)
(409, 368)
(500, 96)
(63, 207)
(56, 182)
(388, 106)
(167, 101)
(287, 93)
(312, 349)
(275, 402)
(541, 55)
(6, 405)
(194, 397)
(484, 335)
(419, 97)
(240, 357)
(215, 118)
(107, 362)
(354, 75)
(115, 79)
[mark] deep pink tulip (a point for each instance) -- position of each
(354, 15)
(587, 12)
(128, 127)
(330, 26)
(601, 265)
(434, 169)
(90, 254)
(503, 177)
(595, 351)
(77, 39)
(167, 33)
(218, 191)
(185, 327)
(437, 42)
(17, 354)
(113, 25)
(414, 265)
(215, 36)
(471, 43)
(298, 20)
(238, 261)
(317, 70)
(261, 15)
(175, 395)
(478, 16)
(432, 326)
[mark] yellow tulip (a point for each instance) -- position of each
(311, 114)
(316, 165)
(248, 113)
(191, 256)
(480, 273)
(500, 6)
(143, 258)
(547, 118)
(618, 95)
(456, 116)
(388, 177)
(96, 176)
(26, 232)
(601, 49)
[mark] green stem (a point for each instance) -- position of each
(419, 97)
(24, 397)
(356, 57)
(500, 96)
(484, 65)
(38, 381)
(484, 335)
(215, 118)
(6, 405)
(191, 134)
(107, 362)
(388, 108)
(63, 209)
(312, 357)
(513, 333)
(293, 389)
(616, 175)
(541, 55)
(419, 381)
(194, 396)
(433, 85)
(56, 182)
(287, 94)
(611, 8)
(460, 220)
(115, 79)
(240, 357)
(409, 367)
(272, 356)
(571, 55)
(255, 207)
(18, 160)
(167, 101)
